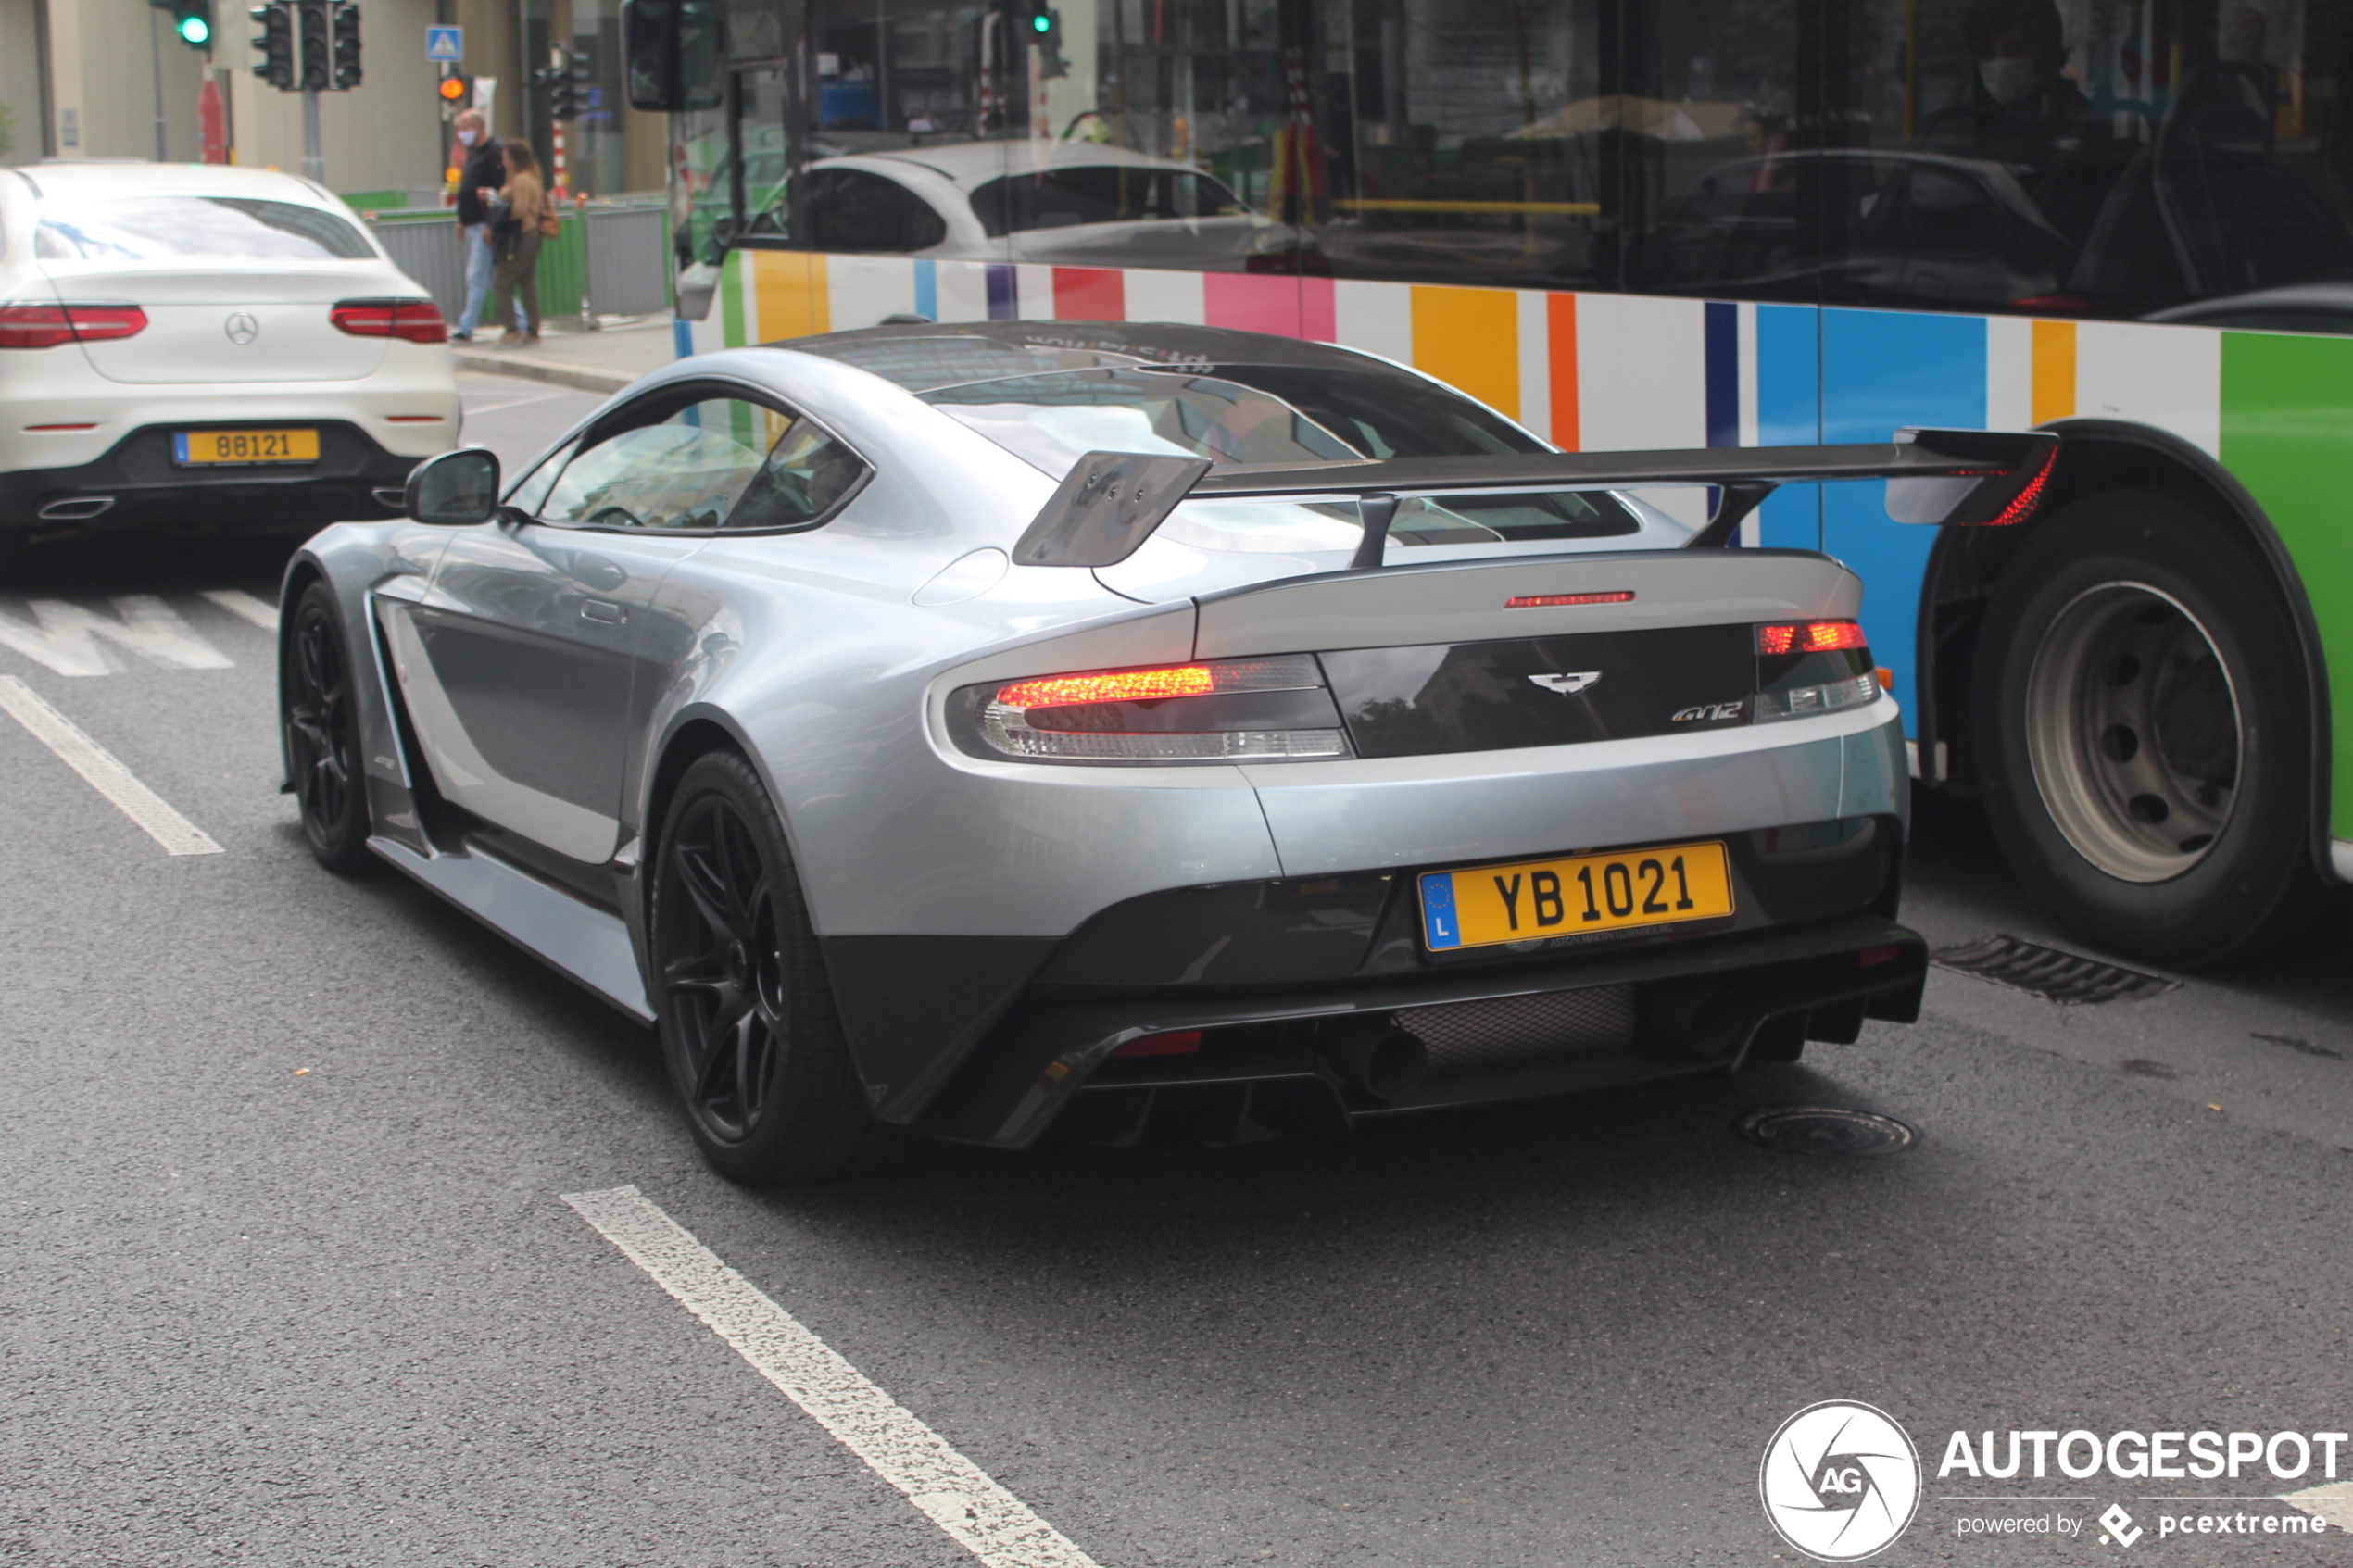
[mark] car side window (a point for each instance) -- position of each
(688, 469)
(531, 491)
(850, 209)
(808, 473)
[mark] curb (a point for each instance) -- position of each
(531, 368)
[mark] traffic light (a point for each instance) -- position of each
(563, 83)
(344, 24)
(275, 45)
(1045, 33)
(456, 89)
(192, 21)
(315, 62)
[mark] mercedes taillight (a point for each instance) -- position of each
(417, 320)
(46, 326)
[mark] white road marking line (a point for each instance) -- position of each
(2332, 1503)
(244, 607)
(985, 1519)
(65, 636)
(109, 777)
(508, 401)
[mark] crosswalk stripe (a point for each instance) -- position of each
(2332, 1503)
(107, 776)
(244, 607)
(66, 637)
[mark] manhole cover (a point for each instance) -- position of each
(2049, 973)
(1822, 1129)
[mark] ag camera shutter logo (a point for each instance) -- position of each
(1839, 1481)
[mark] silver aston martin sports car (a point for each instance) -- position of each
(961, 731)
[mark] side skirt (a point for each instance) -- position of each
(585, 943)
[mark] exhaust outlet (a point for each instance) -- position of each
(1708, 1020)
(75, 508)
(1373, 1054)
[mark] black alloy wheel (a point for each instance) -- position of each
(746, 1017)
(2144, 734)
(320, 714)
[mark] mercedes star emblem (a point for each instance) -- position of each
(241, 328)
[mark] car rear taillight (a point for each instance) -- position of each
(1809, 636)
(1216, 710)
(1809, 667)
(417, 320)
(46, 326)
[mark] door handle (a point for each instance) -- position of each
(604, 611)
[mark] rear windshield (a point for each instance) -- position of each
(1056, 199)
(1279, 414)
(183, 228)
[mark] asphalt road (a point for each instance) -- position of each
(286, 1274)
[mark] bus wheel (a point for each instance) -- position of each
(2144, 734)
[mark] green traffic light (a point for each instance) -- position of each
(196, 29)
(1042, 23)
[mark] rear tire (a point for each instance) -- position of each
(318, 702)
(749, 1028)
(2144, 734)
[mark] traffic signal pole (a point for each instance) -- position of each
(314, 154)
(154, 63)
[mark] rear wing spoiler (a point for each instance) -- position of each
(1112, 501)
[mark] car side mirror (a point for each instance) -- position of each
(455, 488)
(670, 53)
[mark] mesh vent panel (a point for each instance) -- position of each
(1513, 1030)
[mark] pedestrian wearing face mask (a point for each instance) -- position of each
(478, 180)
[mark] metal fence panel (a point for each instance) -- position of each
(628, 260)
(615, 260)
(430, 251)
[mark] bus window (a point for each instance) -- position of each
(2126, 159)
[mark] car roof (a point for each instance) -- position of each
(973, 164)
(925, 356)
(127, 177)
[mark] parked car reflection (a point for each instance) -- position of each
(1070, 204)
(1860, 227)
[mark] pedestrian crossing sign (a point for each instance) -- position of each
(446, 44)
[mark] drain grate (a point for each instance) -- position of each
(2051, 974)
(1822, 1129)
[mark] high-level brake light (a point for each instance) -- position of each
(1546, 601)
(2022, 505)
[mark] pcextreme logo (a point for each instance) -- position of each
(1839, 1481)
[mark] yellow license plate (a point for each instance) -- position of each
(194, 446)
(1535, 901)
